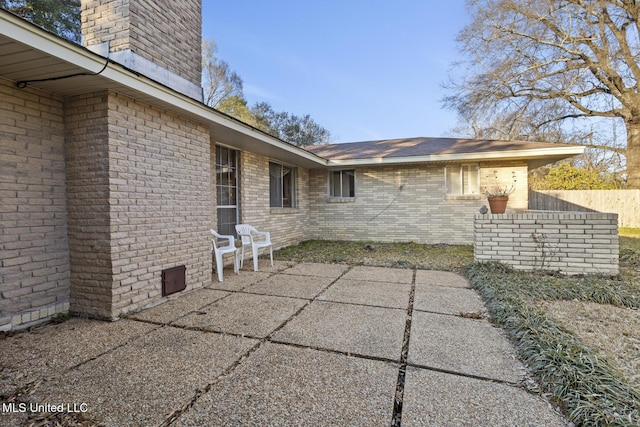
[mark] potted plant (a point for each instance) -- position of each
(498, 195)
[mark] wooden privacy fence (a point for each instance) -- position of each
(626, 203)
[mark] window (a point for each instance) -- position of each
(462, 180)
(342, 183)
(227, 189)
(282, 186)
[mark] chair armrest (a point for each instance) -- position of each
(231, 239)
(265, 234)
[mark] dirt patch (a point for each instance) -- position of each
(614, 331)
(400, 255)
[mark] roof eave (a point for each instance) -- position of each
(532, 156)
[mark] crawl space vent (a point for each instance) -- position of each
(173, 280)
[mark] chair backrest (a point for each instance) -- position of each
(244, 231)
(216, 236)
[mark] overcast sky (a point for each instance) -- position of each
(365, 70)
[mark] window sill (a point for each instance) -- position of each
(463, 197)
(340, 199)
(283, 211)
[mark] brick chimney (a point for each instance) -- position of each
(160, 39)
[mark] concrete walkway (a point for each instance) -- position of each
(300, 344)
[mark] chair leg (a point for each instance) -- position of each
(219, 267)
(271, 254)
(242, 258)
(235, 261)
(255, 258)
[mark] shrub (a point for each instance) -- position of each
(585, 384)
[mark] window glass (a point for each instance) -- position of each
(462, 179)
(227, 189)
(471, 179)
(342, 183)
(282, 186)
(453, 179)
(226, 179)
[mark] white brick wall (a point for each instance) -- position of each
(140, 202)
(568, 242)
(405, 203)
(287, 226)
(34, 261)
(86, 145)
(160, 200)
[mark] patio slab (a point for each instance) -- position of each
(237, 282)
(180, 306)
(380, 274)
(280, 385)
(274, 360)
(357, 329)
(244, 314)
(54, 348)
(440, 399)
(441, 299)
(441, 278)
(319, 270)
(381, 294)
(288, 285)
(142, 382)
(468, 346)
(263, 264)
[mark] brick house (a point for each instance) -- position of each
(112, 170)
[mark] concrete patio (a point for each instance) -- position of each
(298, 344)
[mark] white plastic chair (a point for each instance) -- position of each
(247, 233)
(219, 251)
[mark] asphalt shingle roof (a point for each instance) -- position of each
(416, 147)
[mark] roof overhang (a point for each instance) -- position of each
(535, 157)
(29, 53)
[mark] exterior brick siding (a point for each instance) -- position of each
(287, 226)
(567, 242)
(160, 200)
(34, 265)
(405, 203)
(141, 202)
(87, 150)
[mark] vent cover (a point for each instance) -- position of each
(173, 280)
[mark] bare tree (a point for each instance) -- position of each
(297, 130)
(538, 64)
(219, 82)
(222, 89)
